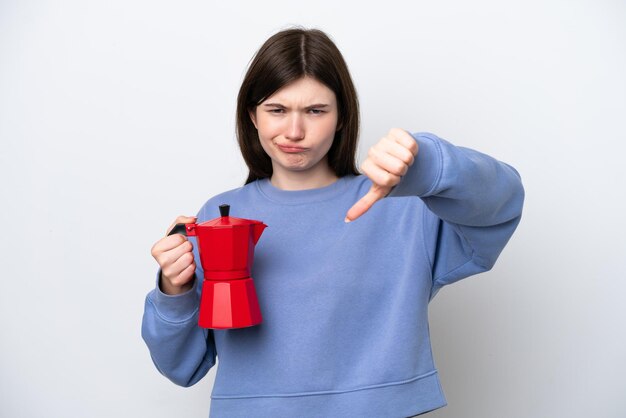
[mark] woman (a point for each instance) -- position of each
(346, 270)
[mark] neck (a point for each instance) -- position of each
(314, 178)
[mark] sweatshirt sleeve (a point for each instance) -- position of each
(475, 206)
(181, 350)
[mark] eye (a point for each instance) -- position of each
(316, 111)
(276, 111)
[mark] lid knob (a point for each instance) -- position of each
(224, 210)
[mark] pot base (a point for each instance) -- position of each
(229, 304)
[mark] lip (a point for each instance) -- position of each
(291, 149)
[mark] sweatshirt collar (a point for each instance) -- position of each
(296, 197)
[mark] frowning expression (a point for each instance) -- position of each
(297, 125)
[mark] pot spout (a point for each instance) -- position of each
(257, 230)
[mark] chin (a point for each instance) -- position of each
(296, 168)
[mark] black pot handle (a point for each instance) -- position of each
(178, 229)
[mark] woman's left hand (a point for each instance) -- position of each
(386, 163)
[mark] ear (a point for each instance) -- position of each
(252, 113)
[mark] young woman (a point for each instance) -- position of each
(346, 270)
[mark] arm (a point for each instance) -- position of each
(180, 349)
(475, 205)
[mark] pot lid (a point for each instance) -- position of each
(228, 221)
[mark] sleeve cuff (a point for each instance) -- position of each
(175, 308)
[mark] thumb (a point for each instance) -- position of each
(375, 193)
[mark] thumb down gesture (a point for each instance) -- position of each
(386, 163)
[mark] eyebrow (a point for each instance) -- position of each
(317, 105)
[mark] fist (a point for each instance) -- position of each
(386, 163)
(174, 254)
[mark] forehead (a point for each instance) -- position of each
(305, 90)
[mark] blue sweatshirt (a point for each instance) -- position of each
(345, 305)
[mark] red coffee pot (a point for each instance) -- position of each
(226, 248)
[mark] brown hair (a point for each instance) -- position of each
(286, 57)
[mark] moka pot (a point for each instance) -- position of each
(226, 248)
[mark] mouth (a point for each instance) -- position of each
(291, 149)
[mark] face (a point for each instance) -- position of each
(296, 126)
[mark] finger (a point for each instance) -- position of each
(181, 279)
(397, 150)
(167, 243)
(181, 220)
(185, 275)
(378, 175)
(388, 162)
(179, 284)
(170, 256)
(405, 139)
(375, 193)
(175, 272)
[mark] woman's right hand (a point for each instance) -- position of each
(175, 257)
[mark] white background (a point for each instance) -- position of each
(117, 116)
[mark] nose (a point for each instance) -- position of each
(295, 130)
